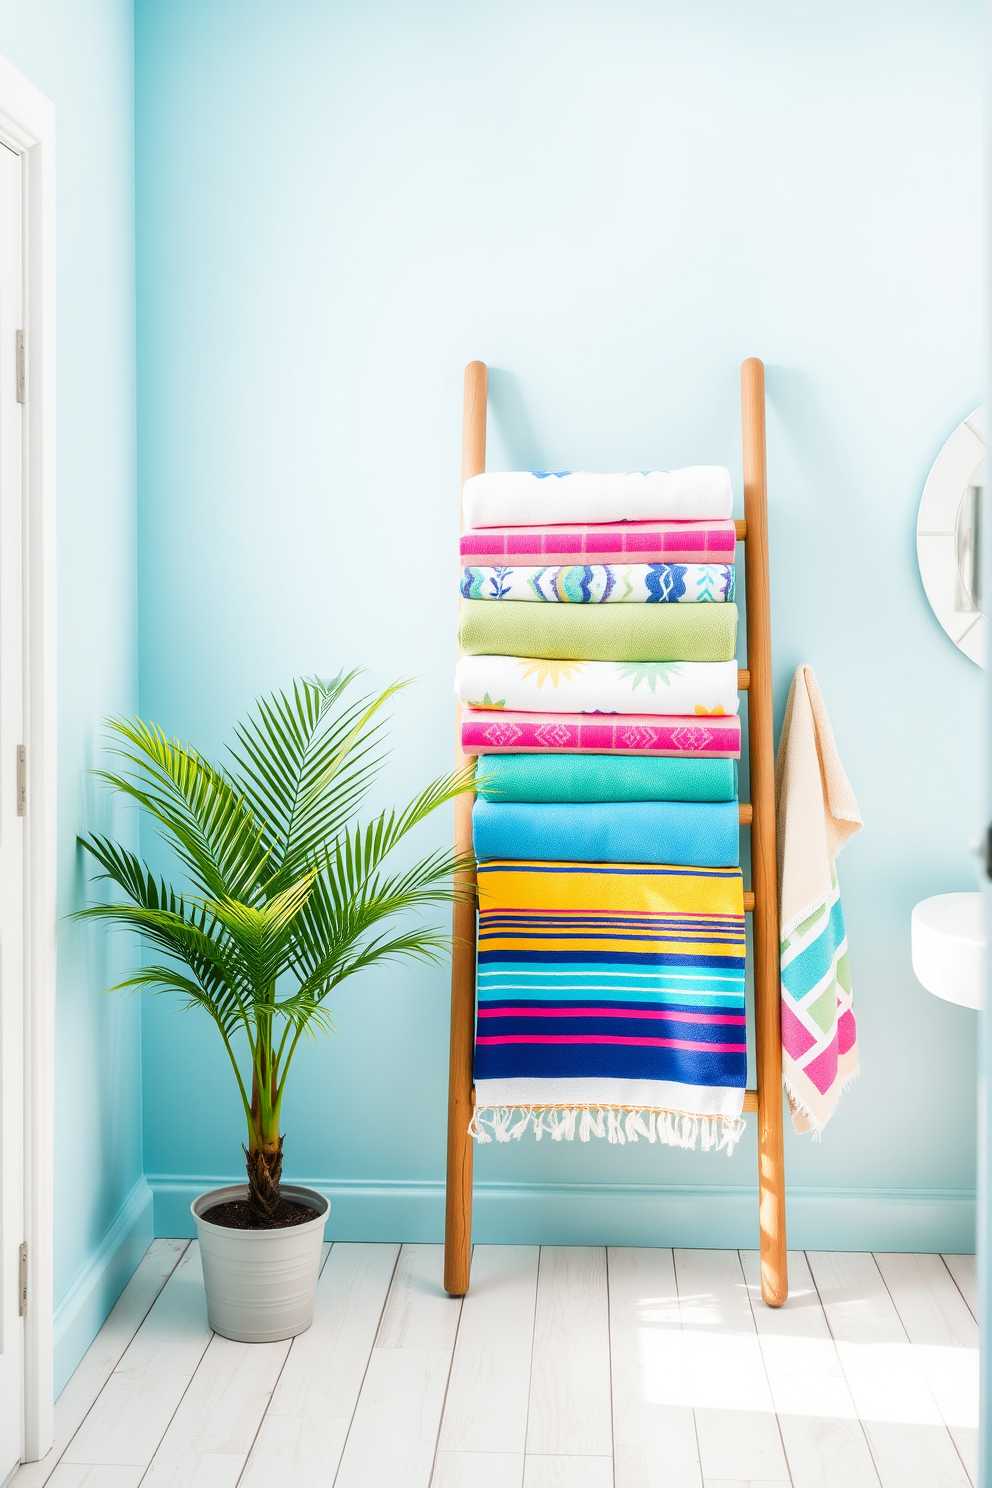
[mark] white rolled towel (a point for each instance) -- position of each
(525, 497)
(523, 684)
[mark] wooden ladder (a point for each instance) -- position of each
(761, 901)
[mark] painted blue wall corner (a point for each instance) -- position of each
(88, 1301)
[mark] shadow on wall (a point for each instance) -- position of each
(509, 411)
(808, 478)
(804, 420)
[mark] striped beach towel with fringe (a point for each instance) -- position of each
(610, 1003)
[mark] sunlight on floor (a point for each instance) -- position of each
(691, 1357)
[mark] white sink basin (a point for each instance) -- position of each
(948, 938)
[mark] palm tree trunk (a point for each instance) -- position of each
(264, 1165)
(263, 1160)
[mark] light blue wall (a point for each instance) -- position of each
(82, 57)
(612, 204)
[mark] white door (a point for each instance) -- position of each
(11, 824)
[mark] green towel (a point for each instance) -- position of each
(694, 632)
(604, 777)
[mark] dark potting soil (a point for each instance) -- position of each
(235, 1215)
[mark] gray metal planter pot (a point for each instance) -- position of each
(260, 1284)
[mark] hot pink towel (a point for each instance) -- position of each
(714, 736)
(607, 542)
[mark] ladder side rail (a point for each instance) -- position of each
(458, 1190)
(764, 868)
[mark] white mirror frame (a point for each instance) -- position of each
(947, 536)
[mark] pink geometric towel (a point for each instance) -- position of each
(715, 736)
(816, 814)
(602, 542)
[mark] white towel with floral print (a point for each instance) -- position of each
(524, 684)
(605, 583)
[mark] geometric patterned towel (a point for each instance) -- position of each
(485, 732)
(819, 1034)
(604, 583)
(816, 813)
(619, 542)
(610, 1003)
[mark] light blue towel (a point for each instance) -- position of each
(681, 833)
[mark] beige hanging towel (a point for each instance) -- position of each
(816, 814)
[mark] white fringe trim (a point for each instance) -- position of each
(797, 1103)
(618, 1124)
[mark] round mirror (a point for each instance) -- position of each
(948, 536)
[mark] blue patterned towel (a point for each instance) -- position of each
(633, 583)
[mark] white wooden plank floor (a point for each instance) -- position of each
(565, 1367)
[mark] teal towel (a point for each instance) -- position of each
(680, 833)
(604, 777)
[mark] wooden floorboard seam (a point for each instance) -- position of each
(895, 1303)
(182, 1397)
(148, 1465)
(262, 1418)
(761, 1352)
(867, 1435)
(964, 1299)
(906, 1321)
(447, 1382)
(365, 1371)
(609, 1355)
(826, 1319)
(530, 1371)
(36, 1474)
(37, 1480)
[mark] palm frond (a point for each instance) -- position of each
(262, 937)
(416, 945)
(305, 771)
(162, 979)
(203, 815)
(126, 869)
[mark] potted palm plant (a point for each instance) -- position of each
(284, 897)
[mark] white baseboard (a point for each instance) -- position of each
(82, 1311)
(618, 1214)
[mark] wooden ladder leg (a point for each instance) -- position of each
(764, 870)
(458, 1193)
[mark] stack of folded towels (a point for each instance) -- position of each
(599, 688)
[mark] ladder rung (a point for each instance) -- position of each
(741, 528)
(743, 679)
(745, 813)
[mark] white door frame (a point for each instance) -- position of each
(27, 125)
